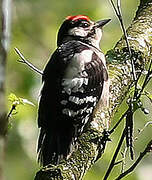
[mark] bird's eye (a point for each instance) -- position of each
(84, 25)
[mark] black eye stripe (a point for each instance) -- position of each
(81, 23)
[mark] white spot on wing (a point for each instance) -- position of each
(74, 99)
(64, 102)
(72, 113)
(89, 110)
(91, 99)
(80, 101)
(67, 112)
(73, 85)
(86, 119)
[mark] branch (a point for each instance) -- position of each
(141, 156)
(120, 18)
(11, 111)
(112, 164)
(25, 61)
(120, 120)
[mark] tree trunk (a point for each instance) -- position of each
(4, 42)
(92, 143)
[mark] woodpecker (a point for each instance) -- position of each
(73, 85)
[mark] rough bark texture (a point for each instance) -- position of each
(92, 142)
(4, 36)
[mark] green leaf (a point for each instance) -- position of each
(18, 101)
(14, 99)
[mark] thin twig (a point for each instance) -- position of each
(115, 9)
(140, 131)
(141, 156)
(123, 159)
(147, 79)
(119, 15)
(129, 130)
(11, 111)
(112, 164)
(136, 84)
(25, 61)
(116, 125)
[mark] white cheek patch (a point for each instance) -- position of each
(78, 31)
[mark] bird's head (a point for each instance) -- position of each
(81, 28)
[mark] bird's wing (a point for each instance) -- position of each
(68, 99)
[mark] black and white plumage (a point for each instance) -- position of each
(73, 83)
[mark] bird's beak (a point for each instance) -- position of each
(101, 23)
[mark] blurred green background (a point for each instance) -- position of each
(34, 28)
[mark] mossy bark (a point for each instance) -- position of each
(92, 143)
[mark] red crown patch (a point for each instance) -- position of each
(78, 17)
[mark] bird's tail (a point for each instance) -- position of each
(55, 146)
